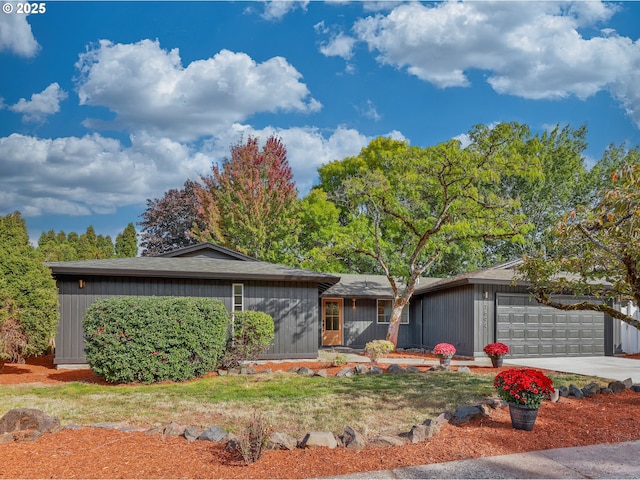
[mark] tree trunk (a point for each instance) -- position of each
(394, 324)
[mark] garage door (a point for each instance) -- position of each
(534, 330)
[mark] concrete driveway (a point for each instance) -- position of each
(614, 368)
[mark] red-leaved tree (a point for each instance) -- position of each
(250, 202)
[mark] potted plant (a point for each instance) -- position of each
(496, 351)
(523, 389)
(445, 351)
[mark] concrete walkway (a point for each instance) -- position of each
(615, 460)
(614, 368)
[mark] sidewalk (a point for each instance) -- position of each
(615, 460)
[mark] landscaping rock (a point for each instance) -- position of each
(26, 425)
(221, 372)
(387, 441)
(563, 391)
(495, 403)
(441, 419)
(555, 396)
(361, 369)
(266, 371)
(154, 431)
(173, 430)
(353, 439)
(606, 390)
(395, 369)
(305, 371)
(192, 434)
(345, 372)
(72, 426)
(321, 373)
(247, 371)
(319, 439)
(439, 368)
(214, 434)
(464, 369)
(418, 433)
(635, 387)
(467, 412)
(282, 441)
(233, 371)
(628, 382)
(617, 387)
(591, 390)
(375, 370)
(575, 391)
(233, 445)
(412, 369)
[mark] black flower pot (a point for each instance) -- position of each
(522, 418)
(496, 362)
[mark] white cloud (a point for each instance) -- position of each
(41, 104)
(529, 49)
(91, 174)
(149, 90)
(16, 35)
(340, 45)
(96, 175)
(276, 10)
(370, 111)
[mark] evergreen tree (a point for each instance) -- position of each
(127, 242)
(28, 293)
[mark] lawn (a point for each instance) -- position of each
(376, 404)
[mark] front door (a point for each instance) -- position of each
(331, 321)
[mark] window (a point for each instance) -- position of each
(384, 312)
(238, 297)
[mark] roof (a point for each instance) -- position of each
(503, 274)
(359, 286)
(207, 247)
(189, 267)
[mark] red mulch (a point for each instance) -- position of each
(98, 453)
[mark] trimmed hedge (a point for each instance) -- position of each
(151, 339)
(249, 337)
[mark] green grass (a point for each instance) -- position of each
(373, 403)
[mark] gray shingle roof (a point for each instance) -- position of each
(502, 274)
(358, 286)
(189, 267)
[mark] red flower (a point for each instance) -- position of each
(496, 349)
(523, 386)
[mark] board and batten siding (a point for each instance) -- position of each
(361, 325)
(293, 307)
(448, 316)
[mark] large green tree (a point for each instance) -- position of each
(544, 199)
(597, 250)
(405, 207)
(28, 293)
(250, 202)
(127, 242)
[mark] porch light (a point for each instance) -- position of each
(353, 303)
(81, 283)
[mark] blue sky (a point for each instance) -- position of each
(106, 104)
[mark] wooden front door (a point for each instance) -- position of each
(331, 321)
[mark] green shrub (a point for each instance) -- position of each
(250, 335)
(376, 348)
(150, 339)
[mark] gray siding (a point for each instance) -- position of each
(361, 327)
(293, 306)
(448, 316)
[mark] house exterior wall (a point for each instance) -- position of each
(361, 326)
(448, 316)
(293, 306)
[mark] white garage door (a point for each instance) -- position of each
(534, 330)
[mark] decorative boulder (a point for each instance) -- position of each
(214, 434)
(395, 369)
(319, 439)
(282, 441)
(617, 386)
(345, 372)
(173, 430)
(26, 424)
(353, 439)
(304, 371)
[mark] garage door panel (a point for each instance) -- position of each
(531, 329)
